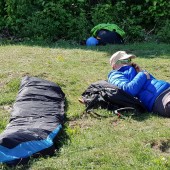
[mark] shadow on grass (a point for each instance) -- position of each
(97, 114)
(143, 116)
(142, 50)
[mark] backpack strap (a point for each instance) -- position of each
(89, 109)
(115, 112)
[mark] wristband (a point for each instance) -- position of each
(147, 74)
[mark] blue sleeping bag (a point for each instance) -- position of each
(35, 121)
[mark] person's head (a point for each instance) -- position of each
(120, 58)
(91, 41)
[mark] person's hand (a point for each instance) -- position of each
(137, 68)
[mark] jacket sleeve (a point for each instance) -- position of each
(130, 86)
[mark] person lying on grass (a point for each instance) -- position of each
(153, 93)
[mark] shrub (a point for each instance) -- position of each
(163, 34)
(2, 14)
(73, 19)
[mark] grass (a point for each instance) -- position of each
(138, 142)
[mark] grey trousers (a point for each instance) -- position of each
(162, 104)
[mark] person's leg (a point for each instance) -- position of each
(109, 37)
(162, 104)
(167, 108)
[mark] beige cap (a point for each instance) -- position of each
(120, 55)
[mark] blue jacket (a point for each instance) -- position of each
(137, 84)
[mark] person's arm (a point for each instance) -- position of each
(138, 69)
(130, 86)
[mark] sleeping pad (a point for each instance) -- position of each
(36, 119)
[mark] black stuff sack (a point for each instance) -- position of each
(102, 94)
(35, 122)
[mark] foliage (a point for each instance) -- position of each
(2, 13)
(100, 14)
(163, 34)
(73, 19)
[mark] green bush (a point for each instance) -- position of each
(78, 31)
(45, 23)
(163, 34)
(2, 14)
(73, 19)
(101, 14)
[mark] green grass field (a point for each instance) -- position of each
(138, 142)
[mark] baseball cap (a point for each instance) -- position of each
(120, 55)
(91, 41)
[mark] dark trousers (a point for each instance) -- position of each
(109, 37)
(162, 104)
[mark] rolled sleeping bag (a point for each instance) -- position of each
(35, 121)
